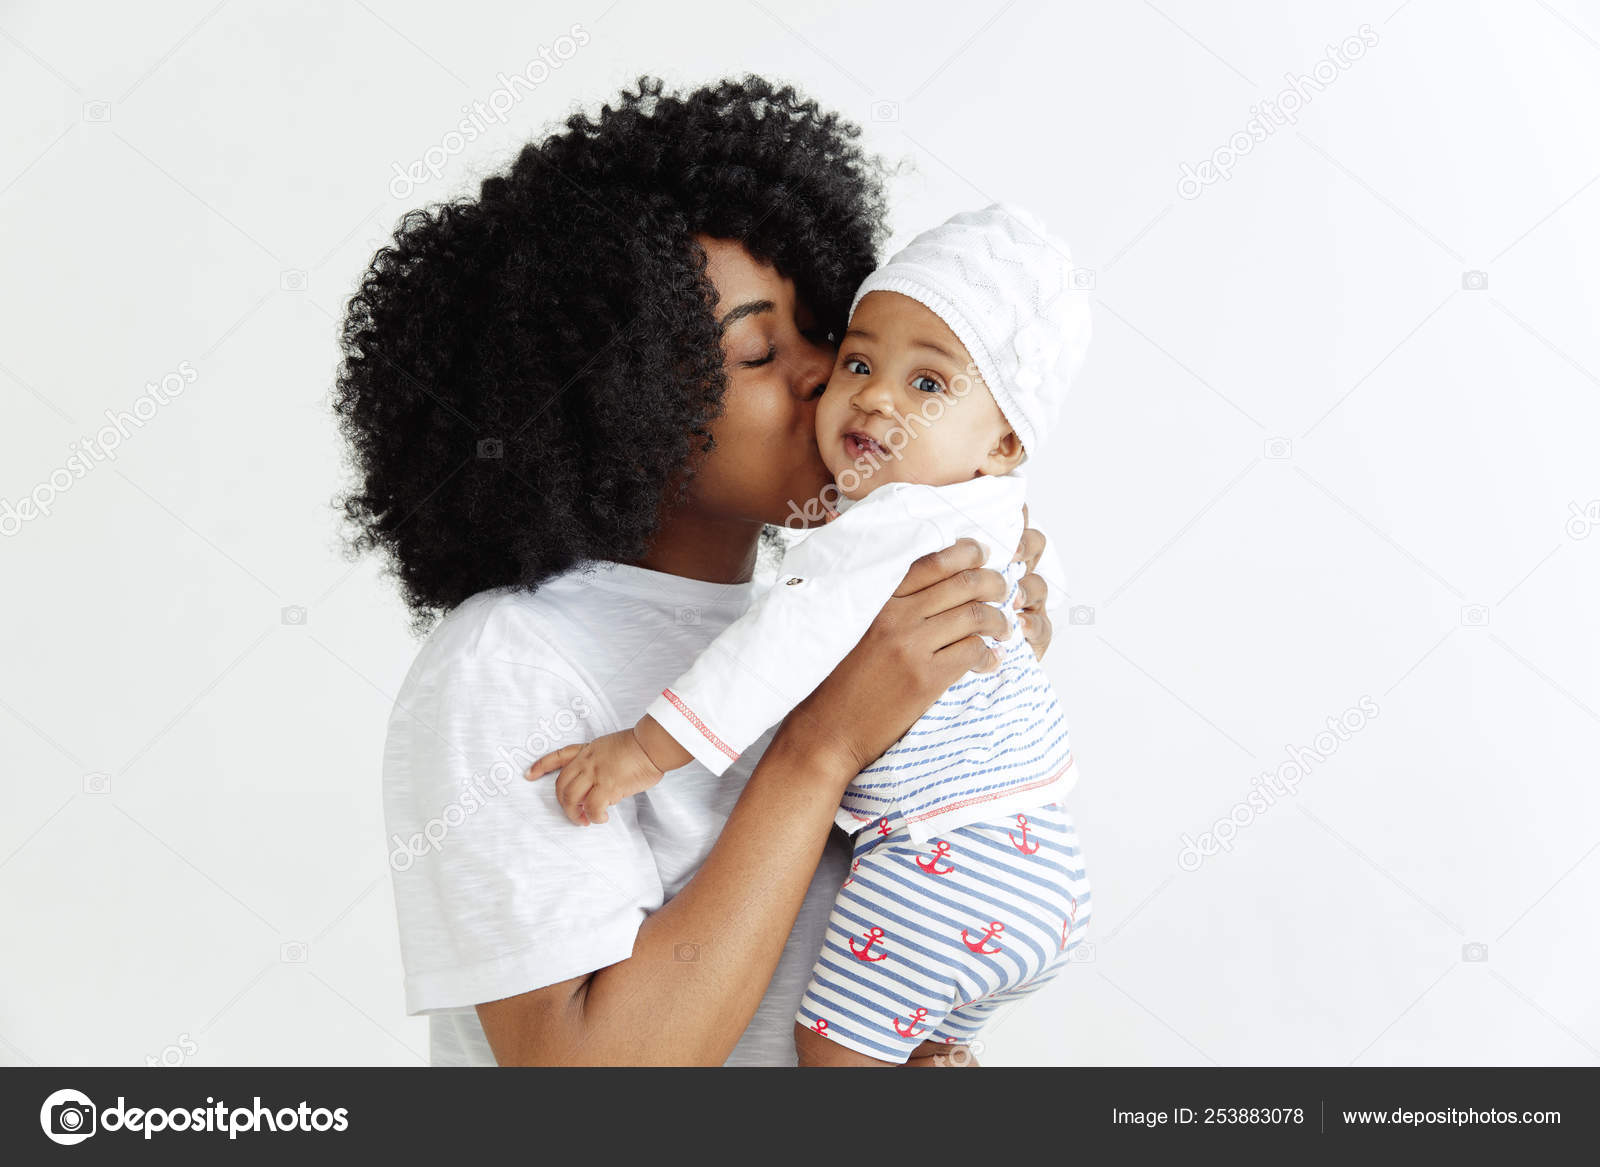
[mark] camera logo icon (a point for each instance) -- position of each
(687, 616)
(68, 1117)
(1277, 449)
(1080, 614)
(1475, 616)
(886, 111)
(1083, 279)
(1475, 952)
(1475, 281)
(293, 952)
(97, 783)
(1083, 953)
(1584, 519)
(293, 614)
(293, 280)
(491, 448)
(97, 111)
(686, 953)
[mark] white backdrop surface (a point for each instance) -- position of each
(1334, 455)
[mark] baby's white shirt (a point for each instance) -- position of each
(832, 585)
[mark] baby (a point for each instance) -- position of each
(967, 892)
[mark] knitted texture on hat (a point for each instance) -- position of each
(1003, 285)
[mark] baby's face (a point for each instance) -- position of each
(905, 404)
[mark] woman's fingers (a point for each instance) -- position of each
(1032, 592)
(552, 761)
(967, 655)
(1037, 628)
(973, 583)
(1031, 547)
(930, 569)
(973, 618)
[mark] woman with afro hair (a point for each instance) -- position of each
(574, 404)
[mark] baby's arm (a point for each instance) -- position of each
(595, 776)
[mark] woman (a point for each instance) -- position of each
(575, 403)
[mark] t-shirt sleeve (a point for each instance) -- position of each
(497, 893)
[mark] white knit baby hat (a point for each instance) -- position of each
(1004, 286)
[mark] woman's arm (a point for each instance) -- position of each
(738, 909)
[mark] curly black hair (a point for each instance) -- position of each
(526, 374)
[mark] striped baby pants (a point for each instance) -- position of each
(926, 942)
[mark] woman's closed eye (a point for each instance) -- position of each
(772, 353)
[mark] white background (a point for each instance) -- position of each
(1438, 437)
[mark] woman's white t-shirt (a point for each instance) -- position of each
(497, 893)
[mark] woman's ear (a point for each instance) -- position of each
(1006, 455)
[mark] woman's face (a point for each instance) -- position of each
(766, 458)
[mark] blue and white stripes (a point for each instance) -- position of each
(927, 940)
(993, 743)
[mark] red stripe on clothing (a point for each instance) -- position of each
(1071, 761)
(677, 703)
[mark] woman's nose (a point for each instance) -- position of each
(809, 375)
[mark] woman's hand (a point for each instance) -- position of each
(928, 636)
(1033, 591)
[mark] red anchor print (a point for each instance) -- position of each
(1025, 847)
(941, 850)
(873, 935)
(883, 827)
(1066, 925)
(854, 867)
(994, 929)
(820, 1025)
(910, 1028)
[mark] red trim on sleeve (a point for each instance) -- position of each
(677, 703)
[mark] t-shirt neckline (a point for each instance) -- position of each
(659, 586)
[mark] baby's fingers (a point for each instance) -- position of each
(552, 761)
(570, 794)
(594, 807)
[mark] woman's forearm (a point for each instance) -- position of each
(702, 963)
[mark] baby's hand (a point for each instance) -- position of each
(597, 775)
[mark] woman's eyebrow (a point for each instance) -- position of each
(748, 308)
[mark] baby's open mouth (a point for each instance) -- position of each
(860, 445)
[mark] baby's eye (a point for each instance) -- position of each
(856, 365)
(927, 384)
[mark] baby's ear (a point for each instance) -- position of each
(1006, 456)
